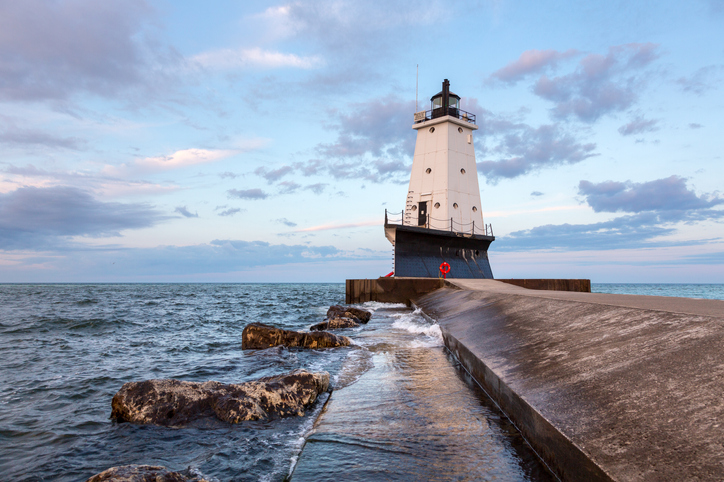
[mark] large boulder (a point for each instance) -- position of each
(175, 402)
(142, 473)
(334, 324)
(259, 336)
(360, 316)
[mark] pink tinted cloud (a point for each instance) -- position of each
(601, 84)
(531, 62)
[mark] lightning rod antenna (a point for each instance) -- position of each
(417, 77)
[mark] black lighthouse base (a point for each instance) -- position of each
(420, 251)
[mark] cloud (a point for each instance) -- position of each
(634, 231)
(668, 194)
(247, 193)
(638, 126)
(700, 81)
(12, 135)
(372, 139)
(522, 149)
(286, 222)
(32, 217)
(601, 84)
(230, 211)
(531, 62)
(288, 187)
(182, 158)
(53, 50)
(378, 127)
(185, 212)
(100, 183)
(317, 188)
(273, 175)
(694, 125)
(344, 26)
(656, 206)
(536, 193)
(229, 175)
(254, 58)
(173, 262)
(328, 227)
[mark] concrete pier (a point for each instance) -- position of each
(389, 290)
(403, 289)
(604, 387)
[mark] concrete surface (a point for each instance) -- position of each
(605, 387)
(583, 285)
(389, 290)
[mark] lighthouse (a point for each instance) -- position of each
(443, 217)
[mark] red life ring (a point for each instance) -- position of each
(444, 269)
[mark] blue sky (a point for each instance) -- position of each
(260, 141)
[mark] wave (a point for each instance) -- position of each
(415, 323)
(376, 305)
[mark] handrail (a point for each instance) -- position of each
(450, 224)
(440, 112)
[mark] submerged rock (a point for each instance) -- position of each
(176, 402)
(259, 336)
(360, 316)
(334, 324)
(142, 473)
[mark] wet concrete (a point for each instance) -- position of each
(404, 410)
(605, 387)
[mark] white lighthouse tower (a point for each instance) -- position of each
(443, 217)
(444, 192)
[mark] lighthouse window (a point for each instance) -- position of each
(462, 171)
(460, 130)
(437, 205)
(475, 210)
(455, 205)
(428, 170)
(432, 129)
(414, 208)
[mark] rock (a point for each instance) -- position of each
(259, 336)
(175, 402)
(360, 316)
(142, 473)
(334, 324)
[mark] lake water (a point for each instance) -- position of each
(400, 407)
(706, 291)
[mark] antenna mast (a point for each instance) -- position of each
(417, 77)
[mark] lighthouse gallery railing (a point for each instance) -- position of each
(393, 218)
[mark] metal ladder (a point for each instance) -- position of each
(407, 220)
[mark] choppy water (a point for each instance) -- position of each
(66, 349)
(705, 291)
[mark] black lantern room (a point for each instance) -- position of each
(445, 102)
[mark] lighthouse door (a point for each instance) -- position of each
(422, 216)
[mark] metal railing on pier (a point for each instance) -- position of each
(395, 218)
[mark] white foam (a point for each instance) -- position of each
(376, 305)
(414, 323)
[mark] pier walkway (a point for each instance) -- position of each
(605, 387)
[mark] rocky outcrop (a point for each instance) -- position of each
(334, 324)
(175, 402)
(355, 314)
(259, 336)
(142, 473)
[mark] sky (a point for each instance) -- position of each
(250, 141)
